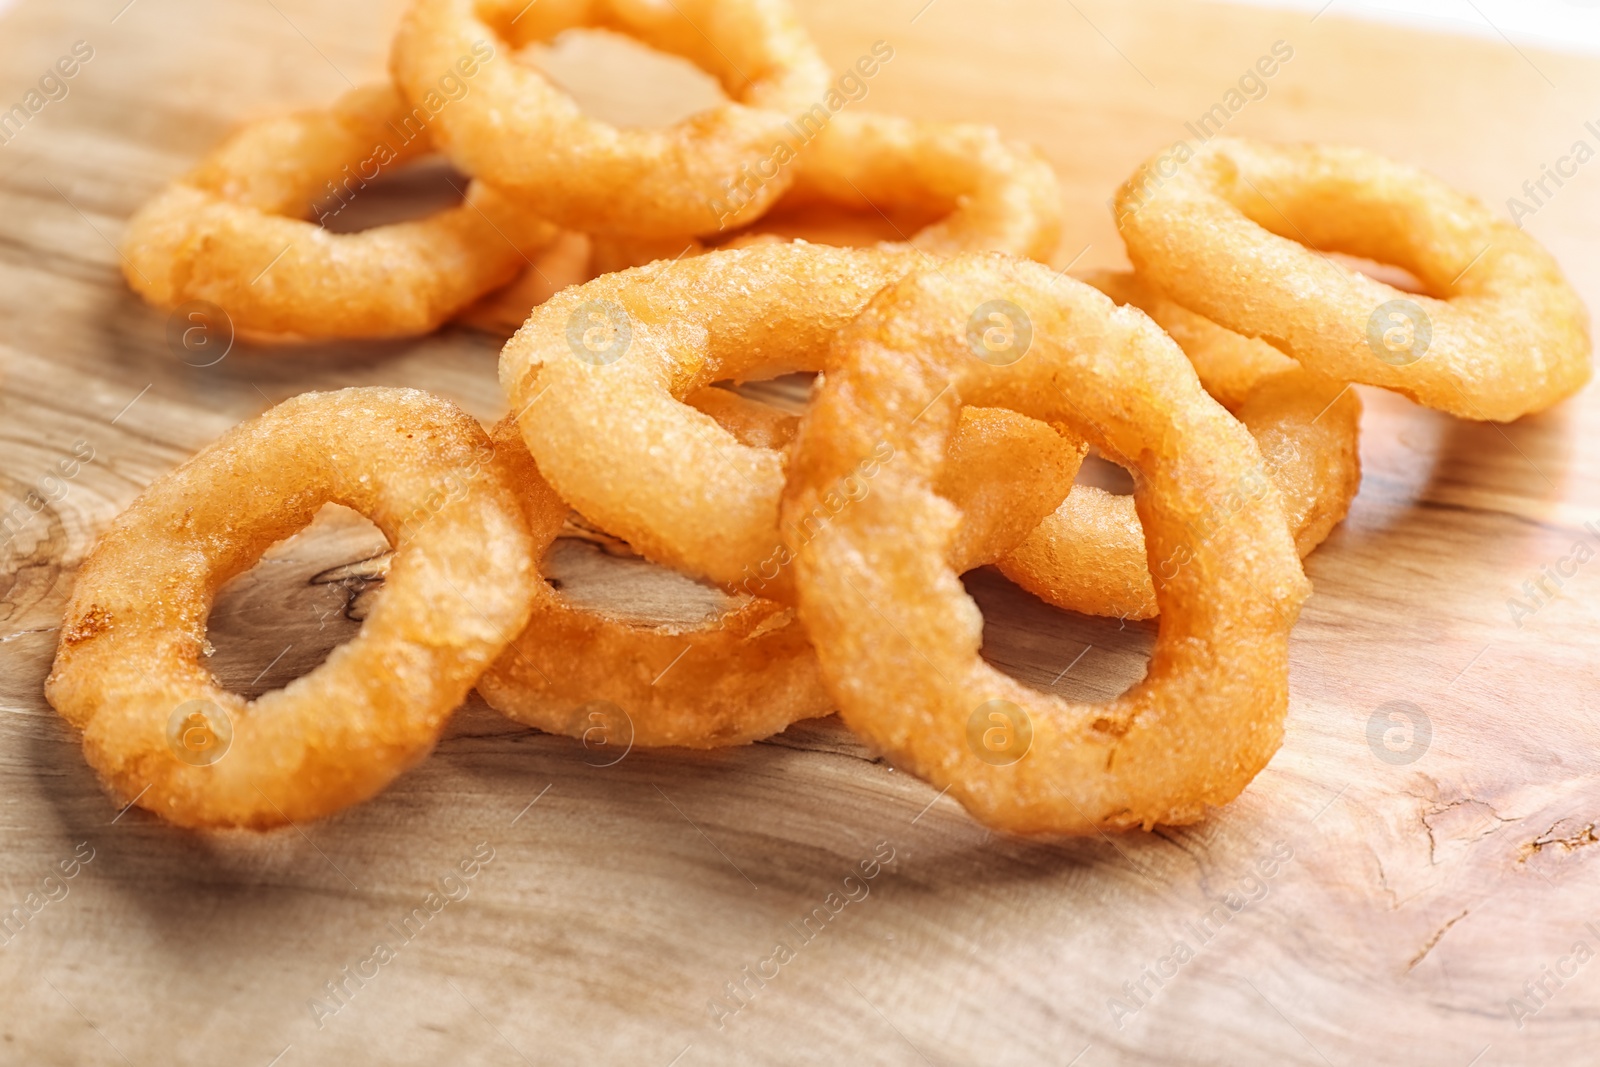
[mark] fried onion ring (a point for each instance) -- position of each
(897, 636)
(128, 672)
(598, 375)
(515, 129)
(738, 677)
(750, 422)
(748, 672)
(1234, 233)
(234, 232)
(1089, 556)
(991, 195)
(994, 195)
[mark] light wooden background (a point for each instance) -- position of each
(1420, 897)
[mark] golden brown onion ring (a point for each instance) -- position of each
(1236, 233)
(598, 375)
(897, 636)
(234, 232)
(159, 729)
(515, 129)
(1089, 555)
(742, 675)
(989, 194)
(751, 422)
(748, 672)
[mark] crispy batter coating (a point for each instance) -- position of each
(598, 375)
(990, 194)
(735, 678)
(994, 195)
(748, 672)
(1235, 234)
(514, 128)
(897, 636)
(1089, 555)
(235, 232)
(751, 422)
(159, 729)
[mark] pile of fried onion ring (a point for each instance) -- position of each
(946, 390)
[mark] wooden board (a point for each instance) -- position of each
(1419, 898)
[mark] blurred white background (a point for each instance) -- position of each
(1562, 25)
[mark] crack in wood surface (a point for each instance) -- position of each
(1429, 814)
(1571, 843)
(1428, 945)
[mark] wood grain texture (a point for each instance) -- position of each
(620, 900)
